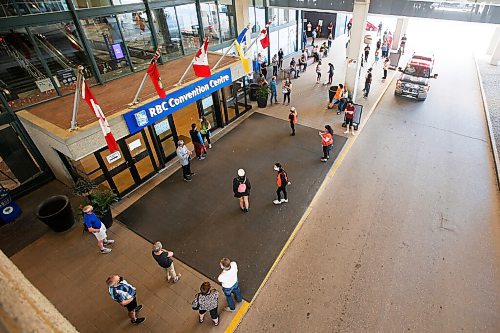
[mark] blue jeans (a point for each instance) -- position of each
(228, 291)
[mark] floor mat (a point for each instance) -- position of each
(201, 220)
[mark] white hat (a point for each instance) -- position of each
(241, 172)
(292, 109)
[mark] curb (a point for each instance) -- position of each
(488, 123)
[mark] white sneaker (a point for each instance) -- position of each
(108, 242)
(277, 202)
(227, 308)
(105, 250)
(209, 145)
(346, 132)
(284, 200)
(353, 133)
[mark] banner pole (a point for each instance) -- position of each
(76, 101)
(185, 73)
(136, 97)
(225, 53)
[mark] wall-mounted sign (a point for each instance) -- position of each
(162, 127)
(207, 102)
(118, 51)
(160, 108)
(134, 144)
(44, 85)
(66, 76)
(113, 157)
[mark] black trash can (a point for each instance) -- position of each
(56, 213)
(331, 93)
(253, 87)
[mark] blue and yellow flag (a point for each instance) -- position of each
(238, 43)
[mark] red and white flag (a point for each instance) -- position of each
(200, 62)
(154, 75)
(264, 36)
(106, 129)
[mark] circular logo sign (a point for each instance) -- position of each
(7, 210)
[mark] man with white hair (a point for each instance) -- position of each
(184, 155)
(125, 294)
(164, 259)
(95, 226)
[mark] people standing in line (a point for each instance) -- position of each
(263, 69)
(274, 63)
(164, 259)
(330, 40)
(331, 71)
(377, 57)
(379, 44)
(125, 294)
(205, 130)
(207, 300)
(229, 280)
(287, 91)
(199, 147)
(318, 72)
(387, 63)
(367, 52)
(349, 26)
(314, 34)
(326, 142)
(184, 155)
(96, 227)
(241, 189)
(368, 82)
(292, 119)
(379, 31)
(385, 49)
(349, 117)
(402, 44)
(282, 182)
(280, 58)
(274, 90)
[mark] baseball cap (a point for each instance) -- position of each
(241, 172)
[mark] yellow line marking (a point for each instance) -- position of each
(246, 306)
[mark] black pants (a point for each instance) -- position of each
(385, 74)
(280, 63)
(213, 313)
(292, 126)
(367, 88)
(329, 44)
(264, 72)
(132, 305)
(186, 171)
(206, 136)
(330, 78)
(326, 152)
(281, 189)
(275, 70)
(366, 56)
(318, 76)
(275, 95)
(285, 96)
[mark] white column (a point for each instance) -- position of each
(242, 18)
(494, 40)
(495, 58)
(359, 15)
(401, 26)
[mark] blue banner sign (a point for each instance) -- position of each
(160, 108)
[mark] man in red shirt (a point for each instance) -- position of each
(349, 117)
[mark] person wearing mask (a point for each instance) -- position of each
(326, 142)
(199, 147)
(281, 182)
(287, 91)
(280, 58)
(367, 52)
(349, 118)
(241, 189)
(205, 130)
(330, 40)
(274, 90)
(274, 63)
(387, 63)
(331, 71)
(368, 82)
(292, 119)
(207, 300)
(184, 155)
(318, 72)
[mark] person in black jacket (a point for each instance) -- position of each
(241, 189)
(281, 55)
(282, 182)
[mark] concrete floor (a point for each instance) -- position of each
(412, 242)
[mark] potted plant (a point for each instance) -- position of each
(101, 199)
(262, 95)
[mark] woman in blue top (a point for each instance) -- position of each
(199, 147)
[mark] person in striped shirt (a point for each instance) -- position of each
(125, 294)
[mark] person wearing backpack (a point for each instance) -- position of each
(326, 142)
(241, 189)
(207, 300)
(125, 294)
(282, 182)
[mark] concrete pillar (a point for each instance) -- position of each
(242, 18)
(401, 26)
(495, 58)
(494, 40)
(359, 15)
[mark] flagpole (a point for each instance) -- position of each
(79, 79)
(255, 40)
(185, 73)
(136, 98)
(225, 53)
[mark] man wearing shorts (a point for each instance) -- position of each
(124, 293)
(95, 226)
(349, 117)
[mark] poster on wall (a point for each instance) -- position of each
(44, 85)
(66, 76)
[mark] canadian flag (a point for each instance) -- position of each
(154, 75)
(200, 62)
(264, 36)
(106, 129)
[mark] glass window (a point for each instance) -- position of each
(7, 8)
(273, 13)
(169, 37)
(125, 2)
(281, 16)
(292, 15)
(260, 19)
(188, 24)
(107, 45)
(62, 50)
(210, 22)
(23, 81)
(39, 7)
(137, 37)
(91, 3)
(227, 20)
(251, 17)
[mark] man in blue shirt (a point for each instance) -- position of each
(95, 226)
